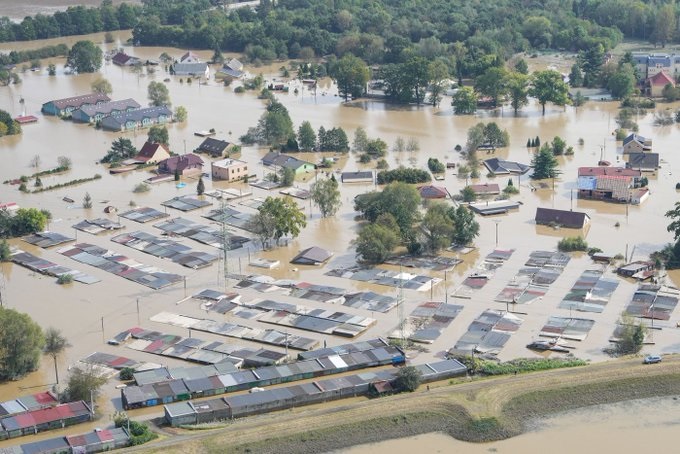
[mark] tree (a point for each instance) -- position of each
(465, 224)
(575, 76)
(674, 226)
(360, 142)
(517, 85)
(665, 25)
(5, 251)
(87, 201)
(263, 224)
(351, 74)
(23, 222)
(326, 196)
(408, 379)
(334, 139)
(544, 164)
(159, 134)
(492, 84)
(181, 114)
(438, 73)
(437, 228)
(522, 67)
(622, 82)
(464, 101)
(200, 186)
(558, 146)
(101, 85)
(274, 127)
(287, 177)
(591, 61)
(548, 86)
(400, 200)
(21, 343)
(631, 335)
(84, 383)
(120, 150)
(375, 243)
(8, 124)
(158, 94)
(306, 136)
(85, 57)
(64, 162)
(55, 344)
(468, 194)
(51, 69)
(288, 217)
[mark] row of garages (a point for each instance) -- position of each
(242, 405)
(183, 389)
(92, 442)
(40, 420)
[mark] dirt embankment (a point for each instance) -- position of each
(478, 410)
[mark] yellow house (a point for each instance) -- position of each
(229, 170)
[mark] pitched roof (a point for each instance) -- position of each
(234, 64)
(432, 192)
(274, 158)
(636, 138)
(354, 176)
(607, 171)
(643, 161)
(189, 68)
(121, 58)
(137, 115)
(568, 219)
(499, 166)
(149, 150)
(189, 55)
(181, 162)
(77, 101)
(312, 256)
(213, 146)
(485, 188)
(661, 79)
(108, 107)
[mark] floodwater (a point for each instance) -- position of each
(18, 9)
(78, 310)
(624, 428)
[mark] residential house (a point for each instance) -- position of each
(229, 170)
(93, 114)
(635, 143)
(357, 177)
(485, 189)
(648, 65)
(644, 162)
(501, 167)
(190, 65)
(187, 164)
(151, 153)
(639, 195)
(614, 184)
(276, 159)
(123, 59)
(231, 70)
(312, 256)
(214, 147)
(433, 192)
(562, 218)
(656, 83)
(64, 107)
(140, 118)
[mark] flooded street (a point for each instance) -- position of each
(625, 428)
(78, 309)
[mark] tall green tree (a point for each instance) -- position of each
(55, 344)
(591, 61)
(85, 57)
(159, 134)
(376, 241)
(548, 86)
(464, 101)
(398, 199)
(466, 227)
(517, 85)
(437, 228)
(306, 136)
(101, 85)
(200, 186)
(288, 218)
(84, 383)
(326, 196)
(23, 222)
(121, 149)
(438, 74)
(544, 163)
(492, 83)
(21, 343)
(622, 82)
(575, 76)
(158, 94)
(665, 25)
(351, 74)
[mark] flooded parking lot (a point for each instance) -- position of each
(81, 311)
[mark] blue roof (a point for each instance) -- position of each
(587, 183)
(663, 60)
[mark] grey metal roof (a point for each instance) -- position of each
(108, 107)
(116, 121)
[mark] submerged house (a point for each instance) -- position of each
(656, 83)
(365, 176)
(123, 59)
(562, 218)
(93, 114)
(214, 147)
(140, 118)
(635, 143)
(615, 184)
(644, 162)
(64, 107)
(312, 256)
(229, 169)
(502, 167)
(231, 70)
(190, 65)
(485, 189)
(152, 152)
(276, 159)
(184, 165)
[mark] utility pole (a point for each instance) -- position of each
(225, 242)
(400, 311)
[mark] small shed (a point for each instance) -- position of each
(563, 218)
(357, 177)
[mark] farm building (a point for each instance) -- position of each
(140, 118)
(97, 112)
(64, 107)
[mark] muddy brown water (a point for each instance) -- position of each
(625, 428)
(18, 9)
(78, 309)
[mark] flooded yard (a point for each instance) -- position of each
(81, 311)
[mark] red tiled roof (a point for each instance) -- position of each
(485, 188)
(662, 79)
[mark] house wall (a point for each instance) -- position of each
(236, 171)
(632, 147)
(304, 168)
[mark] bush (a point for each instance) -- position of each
(576, 243)
(5, 252)
(64, 279)
(141, 187)
(405, 175)
(435, 165)
(126, 373)
(365, 158)
(408, 379)
(239, 90)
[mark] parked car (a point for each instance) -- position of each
(652, 359)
